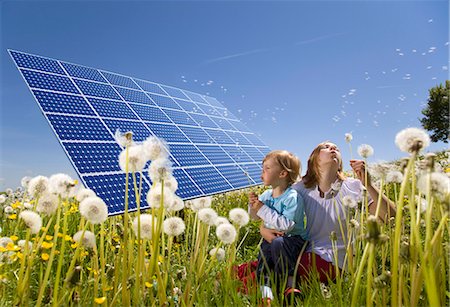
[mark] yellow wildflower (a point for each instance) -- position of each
(100, 300)
(48, 237)
(74, 245)
(68, 238)
(47, 245)
(148, 285)
(12, 216)
(14, 238)
(16, 205)
(45, 256)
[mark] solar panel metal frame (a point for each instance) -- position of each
(84, 106)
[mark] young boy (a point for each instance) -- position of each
(280, 208)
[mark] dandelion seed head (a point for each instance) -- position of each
(2, 199)
(146, 225)
(88, 240)
(47, 204)
(354, 223)
(160, 169)
(439, 185)
(155, 148)
(221, 220)
(136, 159)
(412, 140)
(380, 169)
(4, 241)
(27, 206)
(226, 233)
(176, 204)
(61, 184)
(200, 203)
(349, 202)
(22, 243)
(174, 226)
(124, 139)
(94, 210)
(218, 253)
(84, 193)
(32, 220)
(37, 186)
(8, 210)
(365, 150)
(348, 137)
(170, 184)
(394, 177)
(207, 216)
(239, 217)
(25, 181)
(154, 198)
(9, 191)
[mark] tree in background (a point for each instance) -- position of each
(436, 113)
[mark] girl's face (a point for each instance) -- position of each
(272, 172)
(329, 153)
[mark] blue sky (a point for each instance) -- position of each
(296, 72)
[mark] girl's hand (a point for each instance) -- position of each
(359, 167)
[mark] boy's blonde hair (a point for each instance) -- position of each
(289, 162)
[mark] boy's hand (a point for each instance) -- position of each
(254, 201)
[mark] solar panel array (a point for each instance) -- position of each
(211, 150)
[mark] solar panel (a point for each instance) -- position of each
(211, 150)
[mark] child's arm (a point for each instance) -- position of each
(285, 221)
(253, 205)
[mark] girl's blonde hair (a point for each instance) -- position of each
(312, 175)
(289, 162)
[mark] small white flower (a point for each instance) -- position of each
(47, 204)
(176, 204)
(32, 220)
(412, 140)
(155, 197)
(155, 148)
(365, 150)
(439, 184)
(88, 238)
(226, 233)
(348, 137)
(239, 217)
(207, 216)
(174, 226)
(25, 181)
(160, 169)
(221, 220)
(124, 139)
(146, 226)
(83, 193)
(349, 202)
(2, 198)
(61, 184)
(218, 253)
(136, 159)
(200, 203)
(94, 210)
(394, 177)
(37, 186)
(8, 210)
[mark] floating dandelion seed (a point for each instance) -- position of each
(146, 225)
(226, 233)
(394, 177)
(160, 169)
(37, 186)
(365, 150)
(221, 220)
(218, 253)
(174, 226)
(32, 220)
(94, 210)
(136, 159)
(207, 216)
(155, 148)
(47, 204)
(239, 217)
(412, 140)
(61, 184)
(83, 193)
(88, 240)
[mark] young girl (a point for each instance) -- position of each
(281, 209)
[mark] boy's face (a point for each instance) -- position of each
(272, 172)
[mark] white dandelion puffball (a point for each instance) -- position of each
(88, 238)
(239, 216)
(4, 241)
(207, 216)
(2, 198)
(32, 220)
(174, 226)
(160, 169)
(412, 140)
(155, 148)
(221, 220)
(422, 202)
(226, 233)
(348, 137)
(218, 253)
(8, 210)
(169, 184)
(47, 204)
(155, 197)
(124, 139)
(37, 186)
(25, 181)
(349, 202)
(365, 150)
(380, 169)
(176, 204)
(9, 191)
(200, 203)
(83, 193)
(394, 177)
(354, 223)
(94, 210)
(61, 184)
(146, 226)
(22, 243)
(439, 184)
(136, 159)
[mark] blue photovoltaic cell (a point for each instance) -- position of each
(111, 108)
(140, 131)
(40, 80)
(120, 80)
(35, 62)
(148, 113)
(62, 103)
(94, 157)
(209, 179)
(170, 133)
(211, 150)
(83, 72)
(187, 155)
(97, 89)
(164, 101)
(79, 128)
